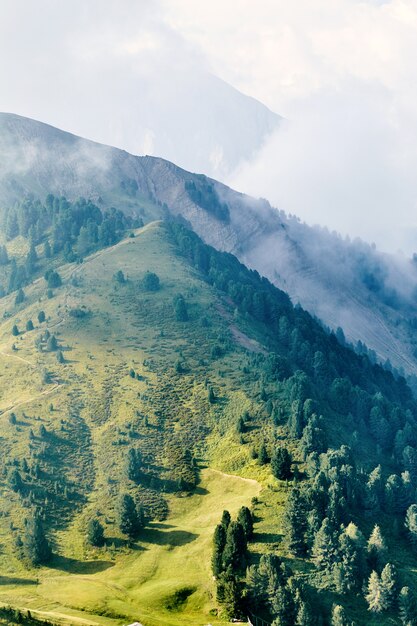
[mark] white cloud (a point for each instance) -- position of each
(342, 72)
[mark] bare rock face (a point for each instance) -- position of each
(372, 296)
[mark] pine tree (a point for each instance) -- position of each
(53, 279)
(262, 454)
(47, 250)
(389, 583)
(4, 257)
(411, 524)
(35, 543)
(15, 481)
(119, 277)
(219, 542)
(376, 549)
(244, 517)
(150, 282)
(15, 330)
(339, 616)
(41, 317)
(234, 554)
(52, 343)
(295, 521)
(20, 297)
(229, 594)
(376, 597)
(226, 519)
(240, 425)
(60, 357)
(134, 464)
(180, 308)
(211, 395)
(29, 325)
(95, 533)
(281, 463)
(325, 547)
(408, 607)
(128, 519)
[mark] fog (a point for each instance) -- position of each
(162, 77)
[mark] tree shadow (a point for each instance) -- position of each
(10, 580)
(73, 566)
(267, 537)
(170, 538)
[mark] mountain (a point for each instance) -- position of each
(347, 284)
(152, 384)
(190, 117)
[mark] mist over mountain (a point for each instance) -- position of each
(371, 295)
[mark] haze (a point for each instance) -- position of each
(341, 72)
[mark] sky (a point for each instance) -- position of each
(341, 72)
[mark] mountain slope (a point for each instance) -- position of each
(204, 375)
(347, 284)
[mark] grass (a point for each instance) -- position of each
(167, 580)
(94, 411)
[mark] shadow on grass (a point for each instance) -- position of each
(172, 538)
(267, 537)
(9, 580)
(73, 566)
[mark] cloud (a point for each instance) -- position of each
(135, 73)
(343, 73)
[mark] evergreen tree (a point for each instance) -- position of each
(240, 425)
(411, 524)
(244, 517)
(129, 520)
(41, 317)
(219, 542)
(376, 549)
(35, 543)
(180, 308)
(134, 464)
(376, 597)
(47, 250)
(53, 279)
(29, 325)
(20, 297)
(4, 257)
(234, 554)
(226, 519)
(295, 521)
(408, 607)
(283, 607)
(262, 454)
(211, 395)
(15, 330)
(389, 583)
(229, 594)
(52, 343)
(150, 282)
(339, 616)
(325, 547)
(119, 277)
(281, 463)
(15, 481)
(95, 533)
(60, 357)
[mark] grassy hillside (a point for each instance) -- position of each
(137, 372)
(93, 410)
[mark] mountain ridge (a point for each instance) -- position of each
(346, 284)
